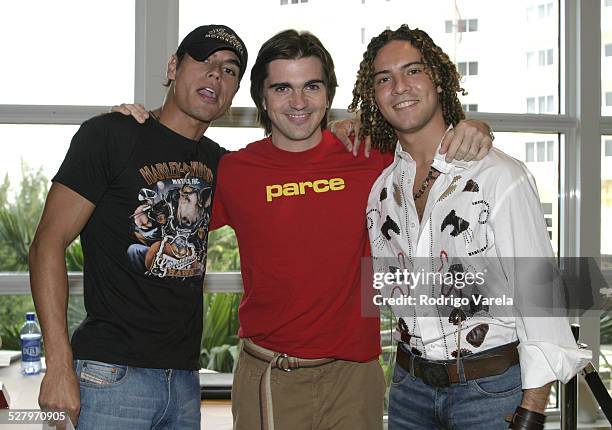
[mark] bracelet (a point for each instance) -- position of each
(524, 419)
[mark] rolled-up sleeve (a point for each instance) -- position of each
(547, 349)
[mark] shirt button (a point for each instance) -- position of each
(412, 225)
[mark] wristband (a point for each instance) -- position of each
(524, 419)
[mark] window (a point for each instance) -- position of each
(608, 50)
(608, 3)
(283, 2)
(541, 104)
(608, 150)
(362, 35)
(531, 105)
(541, 11)
(467, 68)
(472, 107)
(550, 150)
(473, 68)
(529, 152)
(448, 25)
(550, 104)
(530, 59)
(530, 13)
(541, 58)
(549, 57)
(609, 99)
(90, 53)
(473, 25)
(541, 151)
(462, 26)
(550, 9)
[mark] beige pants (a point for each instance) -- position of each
(342, 395)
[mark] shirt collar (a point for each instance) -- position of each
(439, 161)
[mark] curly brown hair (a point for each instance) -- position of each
(438, 67)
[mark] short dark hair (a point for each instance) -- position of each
(439, 67)
(290, 45)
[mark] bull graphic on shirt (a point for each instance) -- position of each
(171, 224)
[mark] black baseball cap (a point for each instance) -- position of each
(204, 41)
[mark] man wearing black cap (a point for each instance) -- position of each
(140, 197)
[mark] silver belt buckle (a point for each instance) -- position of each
(283, 358)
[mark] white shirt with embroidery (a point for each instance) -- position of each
(478, 214)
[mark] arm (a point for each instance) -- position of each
(547, 349)
(64, 216)
(468, 140)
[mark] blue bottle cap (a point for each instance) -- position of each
(30, 316)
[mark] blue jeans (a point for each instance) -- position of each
(479, 404)
(117, 397)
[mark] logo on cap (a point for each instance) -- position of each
(222, 34)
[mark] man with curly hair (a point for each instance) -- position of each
(456, 366)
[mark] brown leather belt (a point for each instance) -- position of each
(443, 373)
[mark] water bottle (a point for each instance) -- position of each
(30, 345)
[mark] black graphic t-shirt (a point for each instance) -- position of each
(145, 244)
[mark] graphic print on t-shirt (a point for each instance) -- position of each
(171, 220)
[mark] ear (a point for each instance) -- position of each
(439, 89)
(263, 104)
(171, 70)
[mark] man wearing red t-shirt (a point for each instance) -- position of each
(296, 202)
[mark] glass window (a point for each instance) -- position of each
(541, 11)
(473, 68)
(442, 20)
(541, 151)
(541, 104)
(529, 152)
(606, 205)
(462, 68)
(530, 104)
(234, 138)
(294, 1)
(76, 61)
(283, 2)
(31, 156)
(362, 35)
(549, 57)
(546, 173)
(550, 150)
(530, 59)
(448, 26)
(473, 107)
(462, 25)
(606, 244)
(550, 104)
(606, 58)
(530, 13)
(549, 9)
(541, 57)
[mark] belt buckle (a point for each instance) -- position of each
(283, 358)
(435, 374)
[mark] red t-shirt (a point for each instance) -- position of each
(299, 219)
